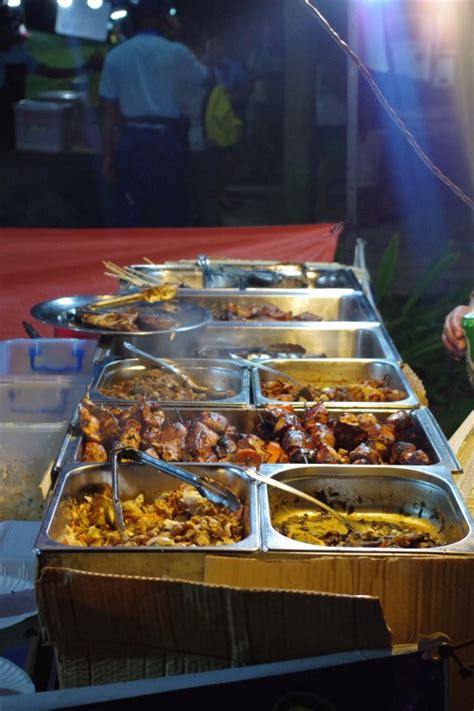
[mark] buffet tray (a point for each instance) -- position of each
(329, 305)
(247, 419)
(310, 275)
(217, 374)
(423, 492)
(133, 480)
(322, 372)
(331, 340)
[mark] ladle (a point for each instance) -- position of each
(259, 366)
(301, 494)
(167, 365)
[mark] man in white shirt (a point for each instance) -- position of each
(145, 82)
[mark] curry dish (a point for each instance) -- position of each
(181, 517)
(374, 530)
(154, 384)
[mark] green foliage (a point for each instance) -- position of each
(415, 323)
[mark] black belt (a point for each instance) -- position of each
(164, 121)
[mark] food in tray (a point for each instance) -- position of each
(373, 390)
(374, 530)
(154, 384)
(262, 312)
(181, 518)
(283, 435)
(124, 320)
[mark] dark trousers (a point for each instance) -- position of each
(153, 181)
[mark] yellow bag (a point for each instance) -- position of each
(222, 125)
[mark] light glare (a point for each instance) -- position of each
(14, 3)
(65, 3)
(118, 14)
(95, 4)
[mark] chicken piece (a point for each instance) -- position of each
(246, 457)
(419, 457)
(90, 424)
(152, 417)
(199, 443)
(170, 443)
(155, 323)
(316, 413)
(295, 438)
(289, 420)
(368, 422)
(302, 455)
(320, 433)
(400, 452)
(275, 453)
(327, 455)
(269, 312)
(348, 431)
(216, 422)
(110, 426)
(225, 446)
(400, 420)
(131, 433)
(94, 452)
(365, 451)
(308, 316)
(110, 321)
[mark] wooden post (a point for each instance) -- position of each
(299, 126)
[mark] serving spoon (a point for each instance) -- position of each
(304, 389)
(270, 481)
(167, 365)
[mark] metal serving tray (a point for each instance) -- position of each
(330, 304)
(322, 372)
(233, 275)
(133, 480)
(217, 374)
(332, 340)
(423, 492)
(246, 420)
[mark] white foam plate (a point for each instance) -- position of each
(13, 679)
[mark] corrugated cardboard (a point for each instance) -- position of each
(157, 625)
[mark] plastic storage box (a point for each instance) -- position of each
(34, 416)
(44, 126)
(70, 357)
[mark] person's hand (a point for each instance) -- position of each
(108, 170)
(453, 336)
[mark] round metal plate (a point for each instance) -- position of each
(60, 313)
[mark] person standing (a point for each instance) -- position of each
(144, 86)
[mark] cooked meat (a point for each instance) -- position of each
(264, 312)
(199, 443)
(93, 452)
(308, 316)
(365, 391)
(110, 321)
(170, 444)
(155, 323)
(216, 422)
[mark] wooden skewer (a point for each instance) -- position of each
(129, 275)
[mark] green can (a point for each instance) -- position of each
(468, 328)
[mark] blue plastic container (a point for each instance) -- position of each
(68, 357)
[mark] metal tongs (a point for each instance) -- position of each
(209, 488)
(150, 296)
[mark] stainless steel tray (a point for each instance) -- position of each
(327, 373)
(133, 480)
(59, 313)
(246, 420)
(416, 491)
(224, 375)
(329, 304)
(333, 340)
(228, 275)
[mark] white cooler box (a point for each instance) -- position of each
(44, 126)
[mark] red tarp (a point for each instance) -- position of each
(41, 264)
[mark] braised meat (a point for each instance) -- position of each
(283, 435)
(375, 390)
(261, 312)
